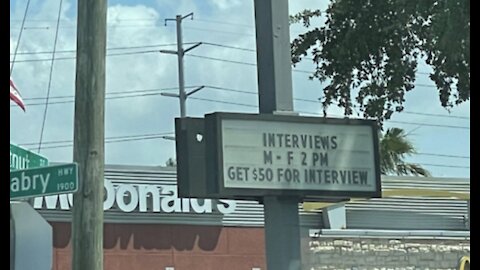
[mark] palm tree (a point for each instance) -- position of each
(394, 146)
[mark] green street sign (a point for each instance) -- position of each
(44, 181)
(21, 158)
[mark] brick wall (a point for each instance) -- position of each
(384, 254)
(178, 247)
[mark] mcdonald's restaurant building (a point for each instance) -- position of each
(148, 227)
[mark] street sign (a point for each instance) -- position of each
(44, 181)
(21, 158)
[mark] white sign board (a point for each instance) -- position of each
(298, 153)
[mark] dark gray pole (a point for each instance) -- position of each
(282, 229)
(273, 56)
(181, 80)
(89, 135)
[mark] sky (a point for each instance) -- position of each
(137, 116)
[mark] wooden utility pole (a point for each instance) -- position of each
(89, 135)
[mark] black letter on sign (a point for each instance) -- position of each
(289, 157)
(267, 157)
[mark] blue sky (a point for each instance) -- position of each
(137, 115)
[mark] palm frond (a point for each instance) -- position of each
(394, 147)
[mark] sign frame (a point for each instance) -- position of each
(214, 156)
(191, 158)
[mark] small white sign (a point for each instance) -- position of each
(259, 154)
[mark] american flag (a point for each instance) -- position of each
(15, 95)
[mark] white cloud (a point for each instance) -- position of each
(226, 4)
(118, 13)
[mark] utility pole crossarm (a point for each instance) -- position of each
(192, 47)
(195, 90)
(169, 95)
(188, 15)
(166, 20)
(168, 51)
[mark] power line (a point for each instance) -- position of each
(120, 95)
(193, 55)
(142, 137)
(110, 26)
(309, 58)
(117, 139)
(437, 115)
(225, 102)
(236, 62)
(217, 22)
(219, 31)
(107, 138)
(147, 20)
(252, 64)
(186, 43)
(400, 122)
(223, 22)
(231, 90)
(444, 165)
(136, 91)
(50, 76)
(140, 93)
(51, 20)
(72, 58)
(108, 49)
(229, 47)
(315, 113)
(43, 60)
(222, 60)
(306, 100)
(150, 19)
(428, 125)
(19, 37)
(442, 155)
(157, 91)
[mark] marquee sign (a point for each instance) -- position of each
(259, 155)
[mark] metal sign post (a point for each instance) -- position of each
(282, 230)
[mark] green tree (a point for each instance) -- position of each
(369, 49)
(394, 147)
